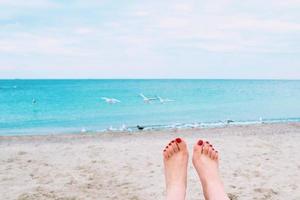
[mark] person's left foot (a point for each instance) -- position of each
(175, 161)
(206, 163)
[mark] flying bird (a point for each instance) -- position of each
(146, 99)
(161, 100)
(110, 100)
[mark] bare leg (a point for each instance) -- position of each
(206, 163)
(175, 162)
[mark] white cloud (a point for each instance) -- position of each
(28, 3)
(184, 7)
(149, 33)
(141, 13)
(241, 23)
(84, 30)
(28, 43)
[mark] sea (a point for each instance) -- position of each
(35, 107)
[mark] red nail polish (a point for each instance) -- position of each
(167, 147)
(178, 140)
(210, 145)
(172, 141)
(164, 150)
(169, 143)
(200, 142)
(207, 142)
(213, 149)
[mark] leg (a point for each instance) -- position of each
(175, 162)
(206, 163)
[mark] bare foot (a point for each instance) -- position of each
(175, 162)
(206, 163)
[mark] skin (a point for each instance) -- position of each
(206, 162)
(175, 162)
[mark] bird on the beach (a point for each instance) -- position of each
(146, 99)
(110, 100)
(228, 121)
(161, 100)
(140, 127)
(123, 127)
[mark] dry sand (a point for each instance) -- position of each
(257, 162)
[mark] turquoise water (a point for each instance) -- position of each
(69, 106)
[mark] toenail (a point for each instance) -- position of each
(164, 150)
(213, 149)
(172, 141)
(167, 147)
(200, 142)
(210, 145)
(207, 142)
(178, 140)
(169, 143)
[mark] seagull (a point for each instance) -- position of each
(146, 99)
(261, 120)
(110, 100)
(123, 128)
(229, 121)
(161, 100)
(140, 127)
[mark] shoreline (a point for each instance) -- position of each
(143, 132)
(154, 128)
(257, 162)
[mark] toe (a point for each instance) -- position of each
(181, 144)
(206, 148)
(210, 151)
(169, 151)
(213, 154)
(217, 155)
(198, 147)
(174, 146)
(165, 154)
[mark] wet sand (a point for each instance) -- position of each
(257, 162)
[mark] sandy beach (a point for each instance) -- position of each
(257, 162)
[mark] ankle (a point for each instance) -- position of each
(176, 192)
(214, 189)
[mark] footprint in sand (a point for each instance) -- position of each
(232, 196)
(21, 153)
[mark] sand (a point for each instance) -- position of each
(257, 162)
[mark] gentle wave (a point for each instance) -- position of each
(178, 126)
(74, 106)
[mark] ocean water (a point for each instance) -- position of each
(72, 106)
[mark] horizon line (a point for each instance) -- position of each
(175, 78)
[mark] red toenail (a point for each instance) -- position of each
(216, 151)
(210, 145)
(167, 147)
(164, 150)
(213, 149)
(200, 142)
(173, 141)
(178, 140)
(169, 143)
(207, 142)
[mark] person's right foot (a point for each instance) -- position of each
(175, 162)
(206, 163)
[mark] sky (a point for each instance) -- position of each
(228, 39)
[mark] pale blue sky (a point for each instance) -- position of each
(150, 39)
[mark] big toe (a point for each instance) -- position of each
(181, 144)
(198, 147)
